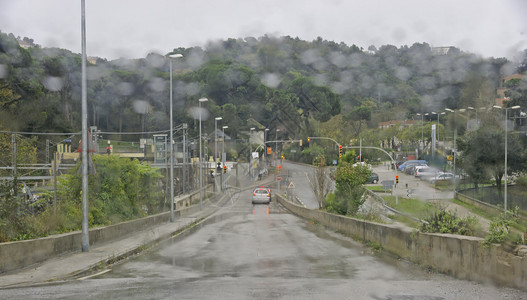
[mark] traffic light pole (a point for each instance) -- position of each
(393, 164)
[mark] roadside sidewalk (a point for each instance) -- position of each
(76, 264)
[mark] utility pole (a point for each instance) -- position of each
(84, 114)
(13, 139)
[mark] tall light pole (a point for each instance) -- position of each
(441, 113)
(250, 153)
(438, 113)
(184, 168)
(223, 140)
(506, 134)
(454, 149)
(455, 138)
(468, 115)
(223, 157)
(85, 243)
(276, 147)
(216, 138)
(171, 143)
(265, 146)
(422, 133)
(200, 161)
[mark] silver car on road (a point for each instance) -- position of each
(261, 195)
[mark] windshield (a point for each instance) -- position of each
(190, 112)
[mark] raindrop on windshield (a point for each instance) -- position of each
(53, 83)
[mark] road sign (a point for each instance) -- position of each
(387, 184)
(335, 162)
(278, 177)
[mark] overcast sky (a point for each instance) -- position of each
(133, 28)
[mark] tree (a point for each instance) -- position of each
(318, 102)
(481, 163)
(349, 191)
(320, 180)
(360, 115)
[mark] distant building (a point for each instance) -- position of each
(442, 50)
(24, 44)
(500, 91)
(507, 78)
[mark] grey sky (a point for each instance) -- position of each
(133, 28)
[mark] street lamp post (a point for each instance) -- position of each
(200, 162)
(468, 115)
(455, 137)
(85, 237)
(438, 113)
(422, 133)
(276, 148)
(442, 113)
(250, 153)
(171, 56)
(265, 146)
(216, 138)
(184, 168)
(223, 156)
(505, 171)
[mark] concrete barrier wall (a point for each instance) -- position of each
(463, 257)
(20, 254)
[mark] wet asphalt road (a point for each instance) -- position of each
(263, 252)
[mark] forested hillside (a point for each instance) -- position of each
(272, 82)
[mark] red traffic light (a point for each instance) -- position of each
(340, 146)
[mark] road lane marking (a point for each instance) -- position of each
(94, 275)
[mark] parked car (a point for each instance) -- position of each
(442, 177)
(261, 195)
(426, 172)
(374, 178)
(410, 168)
(410, 162)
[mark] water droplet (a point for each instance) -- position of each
(53, 83)
(3, 71)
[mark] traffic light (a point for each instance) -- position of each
(340, 151)
(224, 169)
(308, 139)
(396, 179)
(300, 143)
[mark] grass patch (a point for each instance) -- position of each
(475, 210)
(405, 220)
(444, 186)
(411, 206)
(520, 225)
(376, 188)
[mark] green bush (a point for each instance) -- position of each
(500, 229)
(445, 222)
(522, 182)
(122, 189)
(349, 192)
